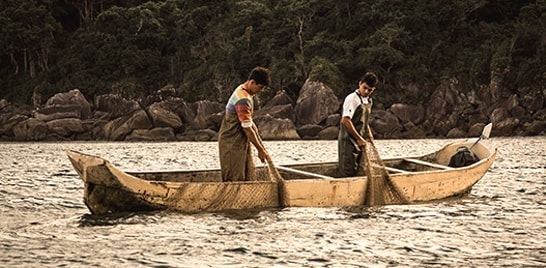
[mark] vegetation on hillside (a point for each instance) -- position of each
(205, 48)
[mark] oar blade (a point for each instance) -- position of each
(487, 131)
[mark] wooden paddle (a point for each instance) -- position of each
(485, 134)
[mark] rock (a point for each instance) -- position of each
(498, 115)
(114, 106)
(65, 127)
(161, 117)
(154, 134)
(329, 133)
(444, 99)
(411, 131)
(281, 98)
(308, 131)
(315, 103)
(31, 129)
(533, 103)
(71, 104)
(506, 127)
(204, 135)
(276, 128)
(203, 112)
(456, 133)
(333, 120)
(184, 110)
(408, 113)
(535, 128)
(476, 130)
(385, 124)
(119, 128)
(279, 111)
(198, 135)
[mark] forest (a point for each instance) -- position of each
(205, 48)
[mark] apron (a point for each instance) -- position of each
(348, 153)
(236, 159)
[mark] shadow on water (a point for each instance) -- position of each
(129, 218)
(111, 219)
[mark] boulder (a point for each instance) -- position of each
(65, 127)
(329, 133)
(154, 134)
(385, 124)
(119, 128)
(333, 120)
(30, 129)
(203, 112)
(71, 104)
(315, 103)
(444, 99)
(162, 117)
(506, 127)
(281, 98)
(309, 131)
(456, 133)
(276, 128)
(411, 131)
(114, 106)
(408, 113)
(476, 130)
(279, 111)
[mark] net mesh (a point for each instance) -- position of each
(381, 190)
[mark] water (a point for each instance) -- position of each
(44, 223)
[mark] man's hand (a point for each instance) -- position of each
(263, 155)
(361, 143)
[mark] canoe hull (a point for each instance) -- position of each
(108, 189)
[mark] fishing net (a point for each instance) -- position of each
(270, 173)
(381, 190)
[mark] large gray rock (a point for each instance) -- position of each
(385, 124)
(281, 98)
(119, 128)
(329, 133)
(71, 104)
(154, 134)
(65, 127)
(204, 110)
(443, 101)
(408, 113)
(309, 131)
(315, 103)
(276, 128)
(279, 111)
(31, 129)
(115, 106)
(162, 117)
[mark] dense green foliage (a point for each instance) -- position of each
(205, 48)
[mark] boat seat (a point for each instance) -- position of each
(395, 170)
(304, 173)
(425, 163)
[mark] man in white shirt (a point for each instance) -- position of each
(355, 129)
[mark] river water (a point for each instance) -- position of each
(44, 223)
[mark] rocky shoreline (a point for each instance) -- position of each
(315, 114)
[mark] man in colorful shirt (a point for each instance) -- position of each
(238, 130)
(355, 128)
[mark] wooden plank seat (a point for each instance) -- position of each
(396, 170)
(425, 163)
(304, 173)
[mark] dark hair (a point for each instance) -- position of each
(260, 75)
(369, 78)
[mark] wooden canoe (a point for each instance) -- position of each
(420, 179)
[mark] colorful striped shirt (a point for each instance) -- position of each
(241, 103)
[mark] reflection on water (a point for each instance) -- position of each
(44, 222)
